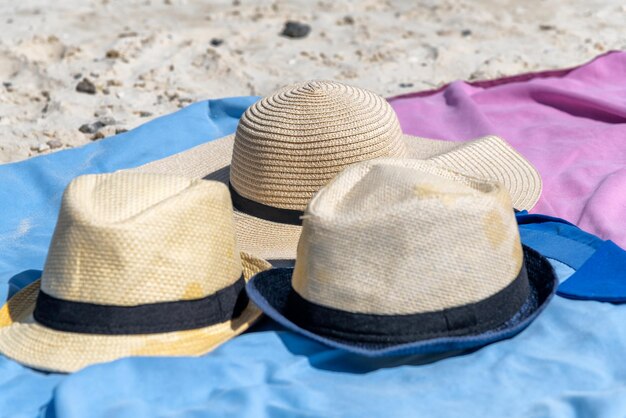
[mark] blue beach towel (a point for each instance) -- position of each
(568, 363)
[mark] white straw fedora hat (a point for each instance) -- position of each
(290, 144)
(403, 257)
(139, 265)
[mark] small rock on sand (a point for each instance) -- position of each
(107, 120)
(86, 86)
(215, 42)
(295, 30)
(90, 128)
(104, 132)
(112, 54)
(54, 144)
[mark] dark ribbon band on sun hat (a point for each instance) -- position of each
(464, 320)
(90, 318)
(259, 210)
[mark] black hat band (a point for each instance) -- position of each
(268, 213)
(151, 318)
(383, 330)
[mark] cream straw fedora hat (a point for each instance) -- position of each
(404, 257)
(139, 265)
(290, 144)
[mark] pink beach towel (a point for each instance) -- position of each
(571, 124)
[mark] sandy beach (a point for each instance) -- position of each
(78, 71)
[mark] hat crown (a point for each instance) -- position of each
(292, 143)
(404, 237)
(134, 238)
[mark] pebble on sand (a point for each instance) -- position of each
(295, 30)
(112, 54)
(86, 86)
(104, 132)
(107, 120)
(216, 42)
(54, 144)
(90, 128)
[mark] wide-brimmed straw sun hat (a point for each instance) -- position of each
(290, 144)
(139, 265)
(402, 257)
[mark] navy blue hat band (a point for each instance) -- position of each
(468, 319)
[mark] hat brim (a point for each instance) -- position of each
(489, 158)
(270, 291)
(27, 342)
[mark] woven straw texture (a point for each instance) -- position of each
(492, 158)
(405, 237)
(127, 239)
(290, 144)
